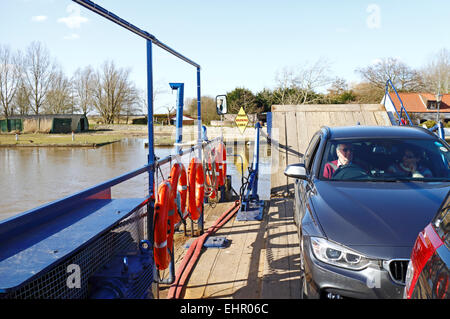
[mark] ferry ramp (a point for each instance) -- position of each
(261, 260)
(294, 125)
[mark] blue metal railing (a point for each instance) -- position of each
(125, 24)
(51, 221)
(20, 223)
(54, 224)
(400, 120)
(150, 39)
(438, 127)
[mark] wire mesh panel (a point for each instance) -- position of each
(56, 283)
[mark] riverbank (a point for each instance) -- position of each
(92, 138)
(100, 135)
(57, 140)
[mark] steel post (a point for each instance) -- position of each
(199, 137)
(151, 147)
(256, 160)
(179, 122)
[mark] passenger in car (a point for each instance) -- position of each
(409, 166)
(345, 156)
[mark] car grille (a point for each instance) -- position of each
(397, 269)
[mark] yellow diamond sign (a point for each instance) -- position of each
(241, 120)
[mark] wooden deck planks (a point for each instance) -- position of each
(281, 271)
(261, 261)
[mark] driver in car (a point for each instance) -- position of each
(345, 156)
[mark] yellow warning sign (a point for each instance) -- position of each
(241, 120)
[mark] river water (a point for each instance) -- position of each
(33, 176)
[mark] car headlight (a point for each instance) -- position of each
(409, 280)
(338, 255)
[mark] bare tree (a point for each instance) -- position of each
(208, 112)
(299, 85)
(59, 96)
(367, 93)
(133, 105)
(112, 92)
(402, 76)
(286, 92)
(22, 99)
(436, 72)
(38, 74)
(310, 78)
(9, 79)
(338, 86)
(170, 110)
(83, 86)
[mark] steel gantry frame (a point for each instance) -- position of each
(151, 39)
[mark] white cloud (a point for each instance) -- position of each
(72, 36)
(74, 20)
(38, 18)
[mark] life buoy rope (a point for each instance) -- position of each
(215, 170)
(196, 190)
(178, 183)
(211, 175)
(221, 163)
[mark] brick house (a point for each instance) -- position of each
(421, 106)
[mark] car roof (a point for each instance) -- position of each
(359, 131)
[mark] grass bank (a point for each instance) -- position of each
(85, 140)
(99, 135)
(89, 139)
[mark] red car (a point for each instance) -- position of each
(428, 271)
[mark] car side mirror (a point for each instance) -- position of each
(296, 171)
(221, 104)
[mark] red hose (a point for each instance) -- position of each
(189, 260)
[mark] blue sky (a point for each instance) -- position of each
(237, 43)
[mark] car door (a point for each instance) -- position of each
(304, 186)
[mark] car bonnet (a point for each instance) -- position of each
(369, 216)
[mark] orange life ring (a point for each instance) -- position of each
(163, 228)
(221, 163)
(178, 184)
(196, 188)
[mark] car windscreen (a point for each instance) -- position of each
(385, 159)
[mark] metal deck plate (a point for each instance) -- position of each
(253, 212)
(211, 242)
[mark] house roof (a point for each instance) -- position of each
(417, 102)
(185, 118)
